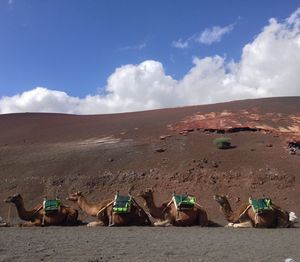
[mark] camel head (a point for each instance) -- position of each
(74, 197)
(13, 199)
(147, 194)
(222, 200)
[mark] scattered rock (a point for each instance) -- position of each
(110, 160)
(269, 145)
(163, 137)
(293, 147)
(212, 179)
(292, 151)
(214, 164)
(188, 130)
(184, 133)
(58, 182)
(160, 150)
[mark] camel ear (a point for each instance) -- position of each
(130, 190)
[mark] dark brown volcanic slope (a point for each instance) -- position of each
(53, 154)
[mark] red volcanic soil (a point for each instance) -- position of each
(168, 150)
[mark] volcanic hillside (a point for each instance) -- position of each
(168, 150)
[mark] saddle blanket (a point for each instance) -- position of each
(184, 201)
(122, 204)
(51, 205)
(261, 205)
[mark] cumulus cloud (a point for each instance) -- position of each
(269, 66)
(214, 34)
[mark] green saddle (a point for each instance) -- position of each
(184, 201)
(122, 204)
(261, 205)
(51, 205)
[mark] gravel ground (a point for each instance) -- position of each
(148, 244)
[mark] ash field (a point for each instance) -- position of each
(167, 150)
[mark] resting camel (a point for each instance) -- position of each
(244, 216)
(106, 217)
(65, 216)
(168, 215)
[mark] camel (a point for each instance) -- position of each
(91, 209)
(168, 215)
(65, 216)
(103, 211)
(245, 216)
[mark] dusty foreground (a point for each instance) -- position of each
(148, 244)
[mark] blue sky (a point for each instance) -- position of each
(74, 46)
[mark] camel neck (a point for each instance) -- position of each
(155, 211)
(84, 205)
(22, 212)
(149, 203)
(226, 209)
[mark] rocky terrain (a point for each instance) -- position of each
(168, 150)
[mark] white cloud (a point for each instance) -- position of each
(214, 34)
(138, 47)
(180, 43)
(10, 2)
(269, 66)
(208, 36)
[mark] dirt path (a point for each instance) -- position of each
(148, 244)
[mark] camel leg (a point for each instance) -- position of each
(31, 224)
(283, 220)
(246, 224)
(95, 224)
(202, 218)
(162, 223)
(72, 220)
